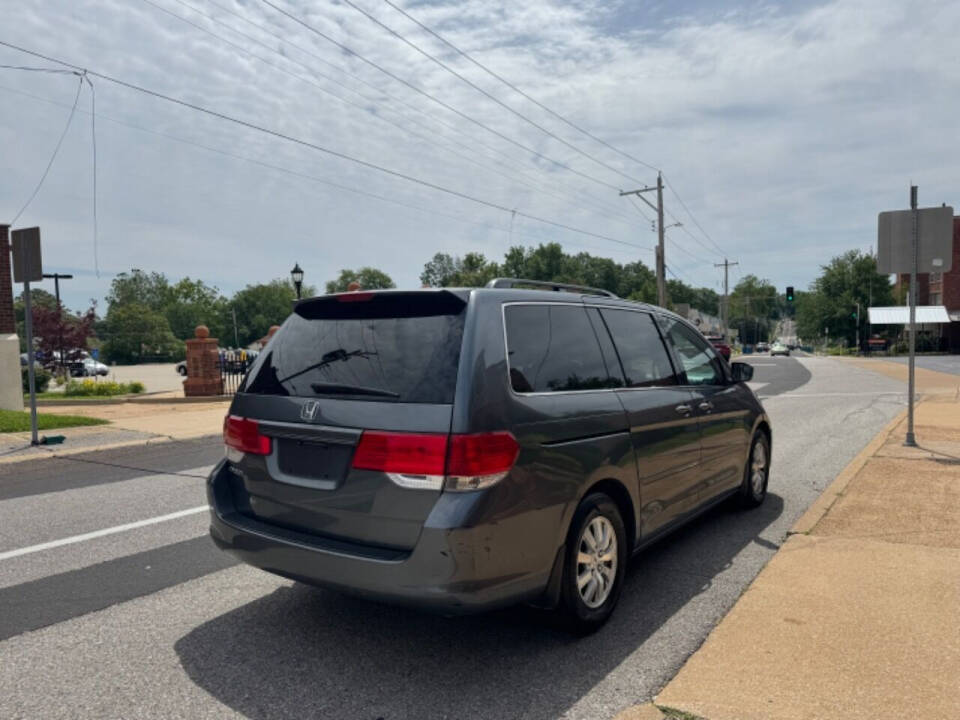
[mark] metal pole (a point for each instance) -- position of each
(911, 440)
(32, 383)
(661, 264)
(236, 337)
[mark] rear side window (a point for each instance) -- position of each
(700, 361)
(554, 348)
(642, 353)
(388, 347)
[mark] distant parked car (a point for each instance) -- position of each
(720, 344)
(88, 367)
(763, 347)
(779, 349)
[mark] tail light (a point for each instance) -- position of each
(242, 435)
(434, 462)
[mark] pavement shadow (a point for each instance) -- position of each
(301, 652)
(781, 375)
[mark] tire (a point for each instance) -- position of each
(586, 611)
(182, 370)
(753, 489)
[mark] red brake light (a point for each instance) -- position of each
(244, 435)
(481, 454)
(355, 296)
(403, 453)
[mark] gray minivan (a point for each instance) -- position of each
(465, 449)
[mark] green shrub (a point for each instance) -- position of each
(41, 379)
(101, 388)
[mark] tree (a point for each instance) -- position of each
(471, 270)
(54, 329)
(754, 304)
(38, 299)
(262, 305)
(368, 277)
(831, 304)
(151, 290)
(191, 303)
(135, 333)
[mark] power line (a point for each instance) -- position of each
(486, 94)
(692, 217)
(56, 150)
(313, 146)
(313, 178)
(514, 167)
(516, 89)
(435, 99)
(367, 110)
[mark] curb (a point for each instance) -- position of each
(158, 440)
(136, 401)
(821, 506)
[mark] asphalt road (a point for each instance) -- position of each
(150, 621)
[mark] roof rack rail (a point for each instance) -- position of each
(558, 287)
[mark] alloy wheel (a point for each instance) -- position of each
(596, 561)
(758, 468)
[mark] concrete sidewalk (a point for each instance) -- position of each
(858, 614)
(131, 423)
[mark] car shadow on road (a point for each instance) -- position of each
(301, 652)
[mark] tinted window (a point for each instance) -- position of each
(700, 361)
(553, 348)
(644, 358)
(392, 348)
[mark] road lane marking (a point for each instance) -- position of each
(101, 533)
(763, 364)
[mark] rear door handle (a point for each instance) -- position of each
(683, 409)
(706, 406)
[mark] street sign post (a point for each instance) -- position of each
(914, 241)
(27, 266)
(934, 240)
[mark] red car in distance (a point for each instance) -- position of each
(720, 344)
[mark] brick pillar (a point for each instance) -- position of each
(8, 324)
(203, 369)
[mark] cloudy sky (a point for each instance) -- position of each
(783, 127)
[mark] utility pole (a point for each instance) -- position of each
(661, 229)
(911, 440)
(726, 264)
(57, 277)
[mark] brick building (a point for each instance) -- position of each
(942, 289)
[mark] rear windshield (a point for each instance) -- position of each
(379, 347)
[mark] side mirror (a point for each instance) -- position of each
(741, 372)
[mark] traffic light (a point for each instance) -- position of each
(853, 315)
(790, 294)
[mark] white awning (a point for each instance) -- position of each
(900, 315)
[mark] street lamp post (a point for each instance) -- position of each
(297, 276)
(57, 277)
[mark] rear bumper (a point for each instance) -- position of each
(450, 570)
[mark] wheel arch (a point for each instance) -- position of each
(621, 497)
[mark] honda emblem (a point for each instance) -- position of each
(308, 411)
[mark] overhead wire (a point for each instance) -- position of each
(305, 143)
(56, 150)
(550, 111)
(516, 89)
(474, 141)
(363, 108)
(433, 98)
(339, 186)
(487, 94)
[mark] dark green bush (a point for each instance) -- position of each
(41, 379)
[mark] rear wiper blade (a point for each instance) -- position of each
(322, 388)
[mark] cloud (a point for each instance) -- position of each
(785, 130)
